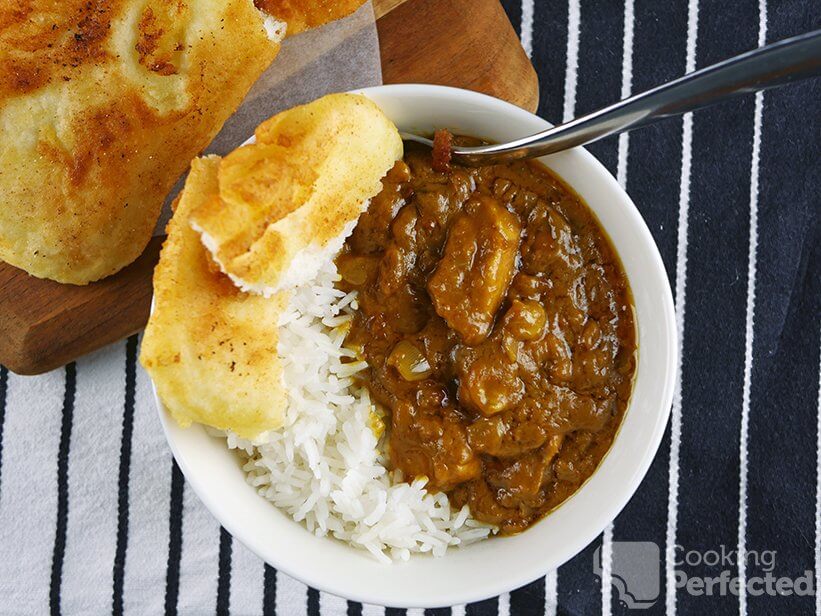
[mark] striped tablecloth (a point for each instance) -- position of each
(96, 518)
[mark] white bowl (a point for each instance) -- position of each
(498, 565)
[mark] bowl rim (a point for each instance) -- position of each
(209, 495)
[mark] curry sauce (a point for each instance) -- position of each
(497, 323)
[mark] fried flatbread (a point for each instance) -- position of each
(287, 201)
(211, 349)
(103, 103)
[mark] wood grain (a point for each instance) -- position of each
(462, 43)
(383, 7)
(45, 324)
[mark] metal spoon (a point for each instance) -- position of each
(778, 64)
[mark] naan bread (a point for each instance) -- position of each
(103, 103)
(211, 349)
(286, 202)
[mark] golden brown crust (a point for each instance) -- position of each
(303, 14)
(210, 349)
(284, 200)
(103, 103)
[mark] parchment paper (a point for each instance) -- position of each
(341, 56)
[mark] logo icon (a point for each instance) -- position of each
(635, 572)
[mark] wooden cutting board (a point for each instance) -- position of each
(463, 43)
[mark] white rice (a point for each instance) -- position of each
(324, 468)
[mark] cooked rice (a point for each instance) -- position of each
(324, 468)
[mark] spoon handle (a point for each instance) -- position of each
(778, 64)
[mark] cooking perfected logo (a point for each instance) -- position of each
(635, 571)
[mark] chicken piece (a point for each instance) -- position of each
(474, 273)
(574, 411)
(525, 319)
(509, 434)
(518, 482)
(488, 382)
(485, 507)
(428, 439)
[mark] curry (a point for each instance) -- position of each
(497, 323)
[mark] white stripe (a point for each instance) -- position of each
(149, 490)
(199, 562)
(504, 604)
(621, 176)
(368, 609)
(573, 25)
(458, 610)
(818, 499)
(28, 501)
(527, 27)
(624, 149)
(749, 329)
(551, 601)
(247, 580)
(292, 596)
(414, 611)
(93, 482)
(607, 570)
(626, 87)
(681, 281)
(331, 605)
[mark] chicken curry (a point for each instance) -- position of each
(497, 323)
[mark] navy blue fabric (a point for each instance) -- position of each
(781, 449)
